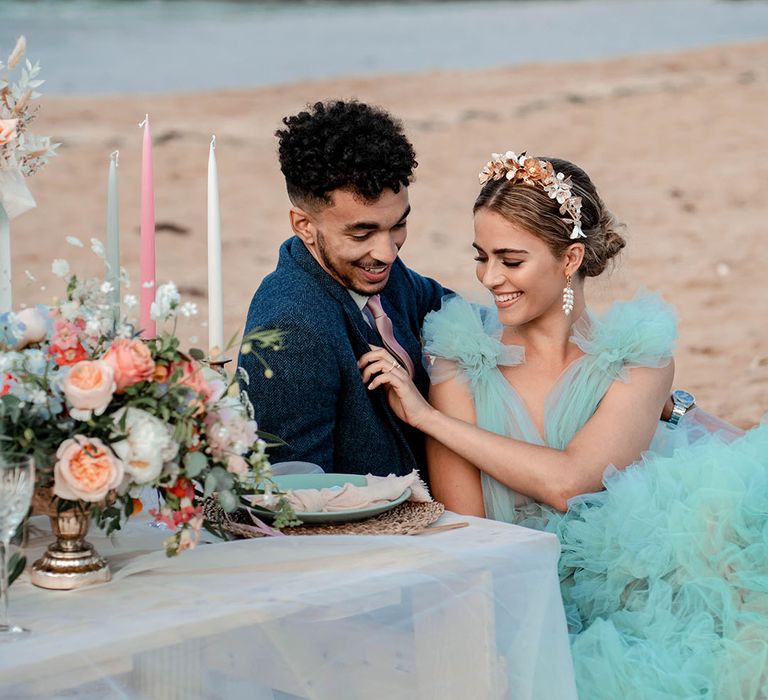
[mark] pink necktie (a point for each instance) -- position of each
(384, 326)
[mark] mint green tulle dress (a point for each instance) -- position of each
(664, 574)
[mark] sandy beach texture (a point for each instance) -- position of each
(676, 144)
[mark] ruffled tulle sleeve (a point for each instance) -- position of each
(464, 339)
(636, 333)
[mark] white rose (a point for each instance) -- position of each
(148, 446)
(35, 327)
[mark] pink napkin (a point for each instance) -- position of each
(380, 489)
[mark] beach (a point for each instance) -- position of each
(674, 141)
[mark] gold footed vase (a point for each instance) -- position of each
(70, 562)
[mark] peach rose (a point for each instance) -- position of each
(132, 362)
(7, 130)
(35, 327)
(86, 470)
(89, 387)
(192, 377)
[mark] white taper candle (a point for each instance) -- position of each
(215, 294)
(113, 232)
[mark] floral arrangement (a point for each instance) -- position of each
(532, 171)
(21, 153)
(106, 413)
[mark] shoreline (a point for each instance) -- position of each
(308, 83)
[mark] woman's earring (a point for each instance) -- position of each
(568, 297)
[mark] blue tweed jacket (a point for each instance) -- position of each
(316, 400)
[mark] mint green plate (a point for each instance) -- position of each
(294, 482)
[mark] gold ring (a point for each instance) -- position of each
(394, 364)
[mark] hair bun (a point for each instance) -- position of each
(604, 244)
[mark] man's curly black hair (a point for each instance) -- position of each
(343, 145)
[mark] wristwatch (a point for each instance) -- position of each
(682, 400)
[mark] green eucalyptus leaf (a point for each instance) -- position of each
(227, 500)
(210, 485)
(227, 481)
(195, 463)
(196, 354)
(224, 480)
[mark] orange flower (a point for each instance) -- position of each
(182, 488)
(131, 360)
(138, 506)
(67, 356)
(161, 373)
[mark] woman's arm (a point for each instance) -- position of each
(455, 481)
(619, 431)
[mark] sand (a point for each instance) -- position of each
(676, 143)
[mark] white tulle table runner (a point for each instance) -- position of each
(470, 614)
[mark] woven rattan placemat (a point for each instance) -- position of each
(406, 519)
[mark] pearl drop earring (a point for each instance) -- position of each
(568, 297)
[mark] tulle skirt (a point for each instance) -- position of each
(664, 574)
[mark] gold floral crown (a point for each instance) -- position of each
(532, 171)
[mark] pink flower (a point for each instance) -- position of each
(35, 327)
(89, 387)
(65, 347)
(174, 518)
(230, 432)
(86, 470)
(131, 360)
(7, 130)
(238, 466)
(66, 335)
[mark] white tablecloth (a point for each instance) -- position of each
(470, 614)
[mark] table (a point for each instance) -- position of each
(465, 614)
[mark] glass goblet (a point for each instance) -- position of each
(17, 483)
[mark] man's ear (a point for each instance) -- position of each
(302, 225)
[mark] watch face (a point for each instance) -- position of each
(683, 398)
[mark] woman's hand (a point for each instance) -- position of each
(381, 369)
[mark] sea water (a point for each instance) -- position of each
(186, 45)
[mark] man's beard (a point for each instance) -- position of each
(344, 279)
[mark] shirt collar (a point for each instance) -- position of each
(360, 300)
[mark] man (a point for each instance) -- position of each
(338, 286)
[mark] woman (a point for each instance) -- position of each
(546, 415)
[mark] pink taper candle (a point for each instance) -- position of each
(147, 249)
